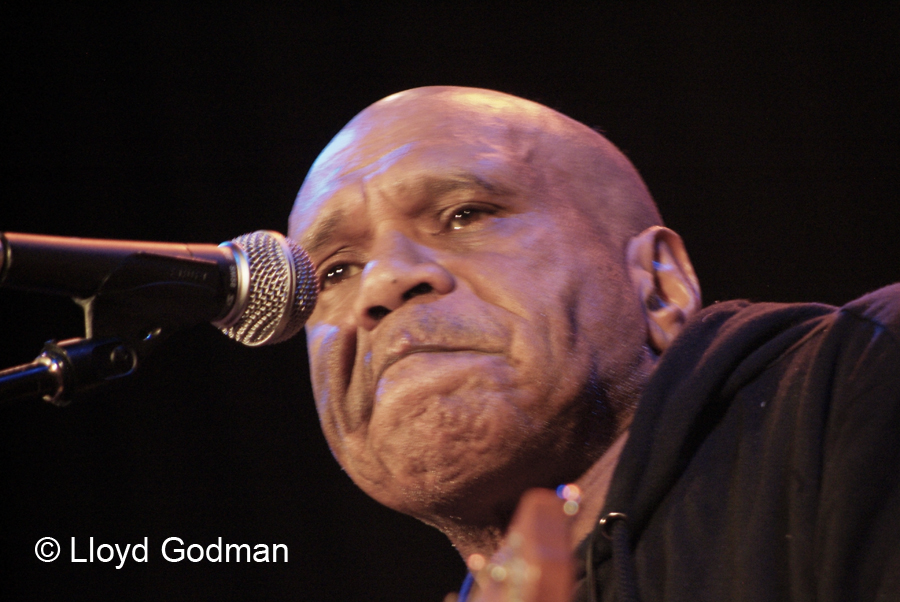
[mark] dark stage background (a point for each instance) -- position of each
(770, 141)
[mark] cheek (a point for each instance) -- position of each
(574, 325)
(546, 296)
(332, 356)
(528, 269)
(329, 331)
(320, 339)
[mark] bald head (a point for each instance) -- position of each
(565, 156)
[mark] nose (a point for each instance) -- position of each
(398, 270)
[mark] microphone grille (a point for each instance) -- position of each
(282, 290)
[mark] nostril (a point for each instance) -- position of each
(420, 289)
(378, 312)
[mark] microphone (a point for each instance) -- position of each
(262, 286)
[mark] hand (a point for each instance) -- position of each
(535, 563)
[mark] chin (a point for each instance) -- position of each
(465, 454)
(449, 492)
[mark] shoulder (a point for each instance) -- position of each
(865, 339)
(881, 308)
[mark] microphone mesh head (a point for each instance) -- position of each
(282, 291)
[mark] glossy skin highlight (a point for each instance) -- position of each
(477, 332)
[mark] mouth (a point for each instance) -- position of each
(423, 329)
(408, 350)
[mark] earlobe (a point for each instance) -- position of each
(665, 282)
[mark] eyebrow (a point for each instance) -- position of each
(322, 234)
(437, 186)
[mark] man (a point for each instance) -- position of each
(497, 294)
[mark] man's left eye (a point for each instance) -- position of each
(464, 217)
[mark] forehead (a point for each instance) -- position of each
(423, 155)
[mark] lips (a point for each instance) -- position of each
(410, 349)
(428, 331)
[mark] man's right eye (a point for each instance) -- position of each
(338, 273)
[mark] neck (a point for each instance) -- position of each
(594, 485)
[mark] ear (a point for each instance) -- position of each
(665, 282)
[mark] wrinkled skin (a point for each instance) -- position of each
(477, 332)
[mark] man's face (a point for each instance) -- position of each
(470, 317)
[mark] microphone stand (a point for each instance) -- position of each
(144, 300)
(66, 367)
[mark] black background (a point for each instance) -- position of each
(769, 139)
